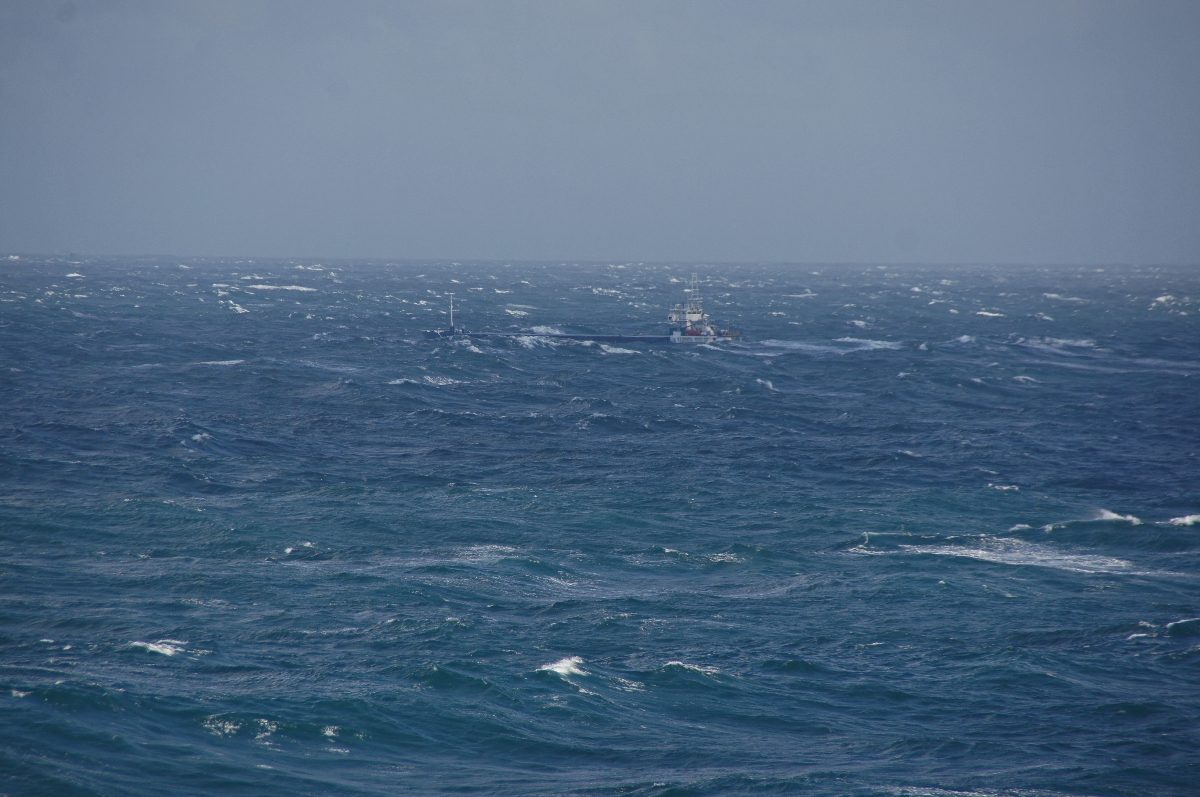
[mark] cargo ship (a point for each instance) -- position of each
(689, 324)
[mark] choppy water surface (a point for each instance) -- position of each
(922, 531)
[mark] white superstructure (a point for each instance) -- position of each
(690, 320)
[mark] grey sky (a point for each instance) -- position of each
(889, 132)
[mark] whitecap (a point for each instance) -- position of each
(865, 344)
(564, 667)
(989, 314)
(545, 331)
(517, 313)
(167, 647)
(222, 727)
(693, 667)
(801, 346)
(404, 382)
(221, 362)
(533, 341)
(1062, 298)
(74, 274)
(442, 381)
(1008, 551)
(1104, 514)
(282, 288)
(1190, 622)
(767, 384)
(1186, 520)
(484, 554)
(616, 350)
(1075, 343)
(628, 686)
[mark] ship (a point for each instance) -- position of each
(689, 324)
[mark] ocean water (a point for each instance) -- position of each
(923, 530)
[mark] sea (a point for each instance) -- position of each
(920, 530)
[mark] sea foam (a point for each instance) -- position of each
(1009, 551)
(281, 288)
(1104, 514)
(564, 667)
(167, 647)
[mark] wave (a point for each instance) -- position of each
(865, 344)
(1104, 514)
(564, 667)
(484, 553)
(167, 647)
(1186, 627)
(1074, 343)
(1057, 345)
(692, 667)
(281, 288)
(1010, 551)
(860, 344)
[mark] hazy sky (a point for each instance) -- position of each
(888, 132)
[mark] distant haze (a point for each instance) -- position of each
(1051, 132)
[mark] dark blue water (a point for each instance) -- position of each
(922, 531)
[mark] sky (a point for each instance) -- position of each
(882, 132)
